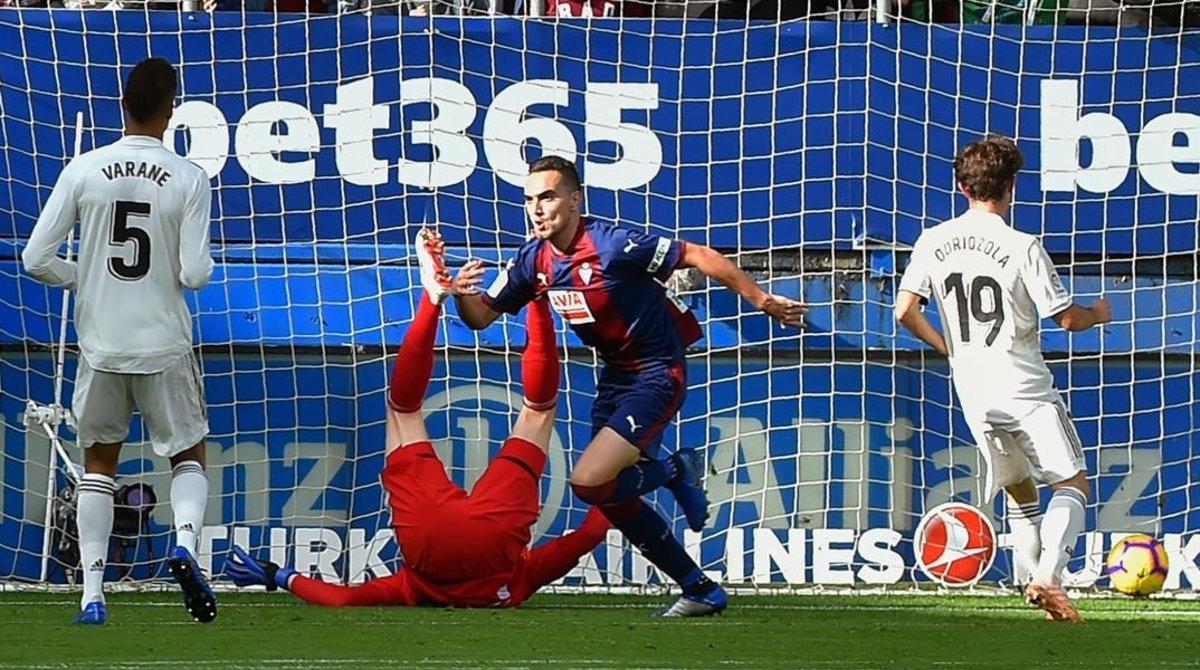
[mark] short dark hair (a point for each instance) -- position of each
(149, 90)
(551, 163)
(986, 168)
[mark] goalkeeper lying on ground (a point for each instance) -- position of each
(460, 549)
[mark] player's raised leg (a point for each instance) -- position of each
(540, 378)
(408, 444)
(414, 362)
(507, 497)
(413, 476)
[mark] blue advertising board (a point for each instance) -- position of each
(807, 133)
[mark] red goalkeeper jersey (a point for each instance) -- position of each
(406, 588)
(460, 549)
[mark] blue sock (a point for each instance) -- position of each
(644, 477)
(649, 532)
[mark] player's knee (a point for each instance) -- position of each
(102, 459)
(583, 475)
(1022, 492)
(195, 454)
(593, 494)
(1079, 482)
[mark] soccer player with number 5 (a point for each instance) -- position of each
(993, 284)
(143, 217)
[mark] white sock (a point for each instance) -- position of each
(94, 515)
(1024, 528)
(189, 496)
(1061, 527)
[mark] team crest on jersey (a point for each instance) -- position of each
(955, 544)
(585, 273)
(572, 306)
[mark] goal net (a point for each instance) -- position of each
(813, 152)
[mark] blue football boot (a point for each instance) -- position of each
(93, 614)
(198, 596)
(689, 491)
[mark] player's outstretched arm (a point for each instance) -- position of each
(245, 570)
(40, 256)
(909, 314)
(557, 557)
(714, 264)
(1076, 318)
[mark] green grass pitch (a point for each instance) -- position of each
(151, 631)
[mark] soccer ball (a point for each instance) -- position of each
(1137, 565)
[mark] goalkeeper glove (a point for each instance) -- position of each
(245, 570)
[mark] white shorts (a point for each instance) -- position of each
(1027, 438)
(171, 403)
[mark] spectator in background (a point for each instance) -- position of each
(592, 8)
(428, 7)
(1158, 13)
(1012, 11)
(298, 6)
(769, 10)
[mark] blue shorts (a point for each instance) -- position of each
(639, 405)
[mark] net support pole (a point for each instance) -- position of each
(882, 8)
(52, 419)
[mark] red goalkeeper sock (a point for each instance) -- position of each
(414, 364)
(539, 364)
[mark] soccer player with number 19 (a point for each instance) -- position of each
(606, 282)
(143, 238)
(993, 284)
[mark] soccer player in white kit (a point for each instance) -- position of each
(144, 237)
(993, 284)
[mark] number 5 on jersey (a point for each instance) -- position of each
(124, 231)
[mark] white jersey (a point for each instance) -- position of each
(143, 217)
(993, 284)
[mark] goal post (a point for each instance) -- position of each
(812, 152)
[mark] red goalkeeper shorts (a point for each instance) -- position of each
(447, 535)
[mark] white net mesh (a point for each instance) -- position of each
(813, 152)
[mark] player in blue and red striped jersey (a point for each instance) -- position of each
(607, 282)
